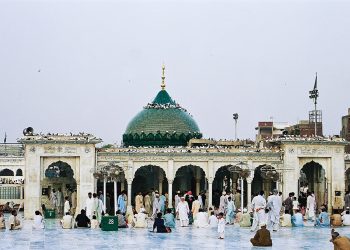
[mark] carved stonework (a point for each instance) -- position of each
(59, 149)
(313, 151)
(70, 150)
(49, 150)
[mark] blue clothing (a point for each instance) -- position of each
(162, 200)
(230, 212)
(297, 220)
(324, 218)
(121, 203)
(169, 220)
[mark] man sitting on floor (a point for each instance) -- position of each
(67, 221)
(14, 222)
(262, 237)
(82, 220)
(339, 242)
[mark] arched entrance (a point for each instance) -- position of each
(347, 180)
(147, 178)
(313, 178)
(228, 181)
(59, 176)
(190, 178)
(265, 177)
(111, 195)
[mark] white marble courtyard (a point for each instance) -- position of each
(53, 237)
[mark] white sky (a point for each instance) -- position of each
(100, 63)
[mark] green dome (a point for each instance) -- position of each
(161, 123)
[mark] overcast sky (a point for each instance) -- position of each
(91, 66)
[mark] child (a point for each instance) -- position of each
(213, 221)
(295, 204)
(221, 226)
(94, 222)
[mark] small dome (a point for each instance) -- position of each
(161, 123)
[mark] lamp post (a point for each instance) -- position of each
(314, 95)
(235, 118)
(110, 172)
(243, 171)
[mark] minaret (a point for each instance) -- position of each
(163, 78)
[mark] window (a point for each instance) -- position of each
(10, 193)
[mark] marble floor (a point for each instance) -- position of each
(53, 237)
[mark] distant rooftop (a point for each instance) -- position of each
(81, 138)
(11, 149)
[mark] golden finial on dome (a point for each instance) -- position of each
(163, 77)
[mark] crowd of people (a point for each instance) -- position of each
(264, 215)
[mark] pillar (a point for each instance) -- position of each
(210, 202)
(170, 193)
(104, 194)
(129, 192)
(249, 192)
(160, 179)
(329, 193)
(115, 196)
(21, 194)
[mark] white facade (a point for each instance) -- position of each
(287, 157)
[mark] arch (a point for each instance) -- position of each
(264, 180)
(59, 169)
(7, 172)
(313, 178)
(149, 177)
(58, 175)
(110, 194)
(190, 178)
(228, 181)
(138, 165)
(19, 172)
(347, 180)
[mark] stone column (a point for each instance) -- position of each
(329, 195)
(249, 192)
(210, 202)
(21, 195)
(129, 192)
(160, 178)
(170, 193)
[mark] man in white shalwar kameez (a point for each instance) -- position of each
(258, 207)
(182, 210)
(310, 206)
(59, 201)
(99, 210)
(95, 200)
(156, 206)
(89, 206)
(177, 200)
(201, 220)
(200, 201)
(53, 198)
(274, 204)
(223, 203)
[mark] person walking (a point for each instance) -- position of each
(258, 207)
(183, 210)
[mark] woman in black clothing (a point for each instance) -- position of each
(159, 224)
